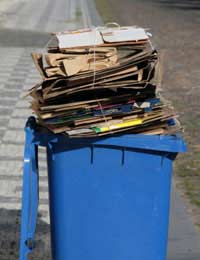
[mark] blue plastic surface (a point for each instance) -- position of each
(29, 195)
(109, 197)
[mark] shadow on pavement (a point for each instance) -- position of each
(23, 38)
(181, 4)
(10, 237)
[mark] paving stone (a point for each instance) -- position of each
(14, 136)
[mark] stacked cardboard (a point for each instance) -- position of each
(100, 81)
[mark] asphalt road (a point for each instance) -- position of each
(24, 28)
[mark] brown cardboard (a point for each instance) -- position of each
(37, 59)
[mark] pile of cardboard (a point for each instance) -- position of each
(100, 81)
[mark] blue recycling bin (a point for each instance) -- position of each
(109, 197)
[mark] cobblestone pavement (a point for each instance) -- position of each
(24, 28)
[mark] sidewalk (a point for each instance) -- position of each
(184, 242)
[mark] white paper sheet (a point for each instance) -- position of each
(79, 38)
(123, 34)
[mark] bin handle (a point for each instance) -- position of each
(30, 193)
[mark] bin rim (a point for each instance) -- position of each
(167, 143)
(173, 144)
